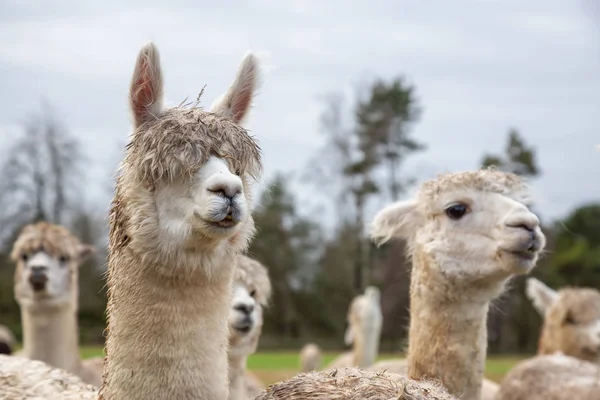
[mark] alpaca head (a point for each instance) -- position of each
(469, 229)
(185, 181)
(251, 292)
(571, 319)
(48, 257)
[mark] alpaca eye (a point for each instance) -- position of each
(570, 320)
(238, 172)
(24, 257)
(253, 293)
(63, 259)
(456, 211)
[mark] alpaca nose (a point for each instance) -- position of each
(528, 222)
(38, 278)
(245, 308)
(226, 189)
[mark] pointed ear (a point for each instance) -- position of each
(146, 91)
(236, 102)
(85, 250)
(396, 220)
(541, 295)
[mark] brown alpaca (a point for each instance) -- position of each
(468, 233)
(568, 351)
(47, 290)
(179, 219)
(251, 292)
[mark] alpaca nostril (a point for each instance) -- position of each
(245, 308)
(528, 226)
(226, 190)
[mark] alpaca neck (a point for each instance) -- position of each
(448, 333)
(237, 378)
(50, 335)
(365, 348)
(167, 333)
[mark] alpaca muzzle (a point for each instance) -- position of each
(38, 278)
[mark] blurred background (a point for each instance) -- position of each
(359, 104)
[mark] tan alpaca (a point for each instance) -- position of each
(251, 292)
(489, 388)
(310, 357)
(568, 350)
(354, 384)
(179, 219)
(571, 320)
(7, 340)
(468, 233)
(363, 332)
(47, 290)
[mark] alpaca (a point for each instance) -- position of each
(571, 320)
(180, 216)
(568, 350)
(22, 378)
(251, 292)
(48, 257)
(468, 233)
(7, 340)
(551, 377)
(354, 384)
(363, 332)
(310, 357)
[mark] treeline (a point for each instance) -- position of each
(318, 260)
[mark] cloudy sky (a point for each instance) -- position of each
(480, 67)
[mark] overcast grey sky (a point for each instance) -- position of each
(480, 67)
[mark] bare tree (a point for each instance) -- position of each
(41, 174)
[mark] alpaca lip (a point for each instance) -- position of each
(226, 222)
(243, 327)
(528, 254)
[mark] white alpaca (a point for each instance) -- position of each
(47, 290)
(179, 219)
(468, 233)
(364, 331)
(251, 292)
(569, 347)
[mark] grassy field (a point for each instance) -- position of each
(275, 366)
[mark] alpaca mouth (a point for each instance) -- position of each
(590, 352)
(526, 255)
(38, 286)
(227, 222)
(243, 327)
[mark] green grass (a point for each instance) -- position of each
(273, 366)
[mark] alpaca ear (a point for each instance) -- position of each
(396, 220)
(85, 250)
(236, 102)
(146, 91)
(541, 295)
